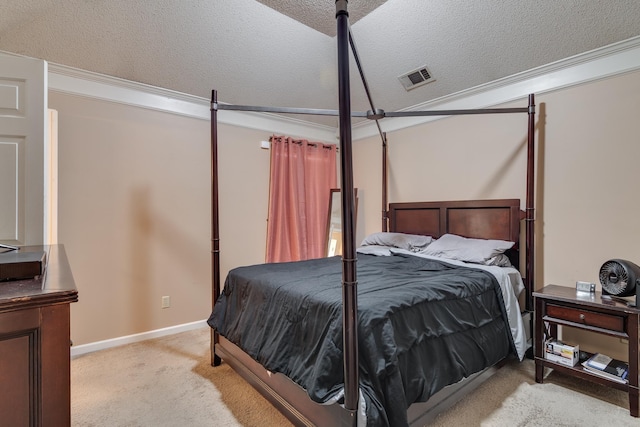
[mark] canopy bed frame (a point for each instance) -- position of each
(436, 218)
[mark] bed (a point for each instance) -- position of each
(348, 391)
(424, 322)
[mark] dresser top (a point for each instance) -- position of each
(587, 299)
(55, 286)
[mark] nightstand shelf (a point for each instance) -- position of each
(563, 306)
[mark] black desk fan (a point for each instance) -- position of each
(620, 278)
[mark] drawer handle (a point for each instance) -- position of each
(582, 316)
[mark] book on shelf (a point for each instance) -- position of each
(604, 374)
(607, 367)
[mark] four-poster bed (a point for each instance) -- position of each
(495, 219)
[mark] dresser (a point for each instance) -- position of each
(35, 344)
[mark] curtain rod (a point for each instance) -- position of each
(300, 141)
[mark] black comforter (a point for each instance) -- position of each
(423, 324)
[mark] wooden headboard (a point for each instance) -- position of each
(480, 219)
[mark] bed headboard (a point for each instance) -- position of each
(481, 219)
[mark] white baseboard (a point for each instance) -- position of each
(115, 342)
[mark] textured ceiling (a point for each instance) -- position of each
(253, 54)
(320, 15)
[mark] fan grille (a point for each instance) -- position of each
(614, 278)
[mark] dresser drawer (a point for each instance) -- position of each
(585, 317)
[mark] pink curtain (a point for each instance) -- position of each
(302, 173)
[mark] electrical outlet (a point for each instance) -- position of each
(166, 302)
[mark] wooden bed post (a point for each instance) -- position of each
(530, 213)
(349, 279)
(215, 222)
(274, 390)
(385, 198)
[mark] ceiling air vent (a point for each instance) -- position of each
(416, 78)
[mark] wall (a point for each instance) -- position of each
(134, 213)
(587, 168)
(134, 194)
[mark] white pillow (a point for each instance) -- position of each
(478, 251)
(375, 250)
(499, 261)
(409, 242)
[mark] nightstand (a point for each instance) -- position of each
(560, 305)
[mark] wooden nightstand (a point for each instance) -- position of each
(560, 305)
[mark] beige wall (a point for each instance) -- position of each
(134, 213)
(134, 195)
(588, 168)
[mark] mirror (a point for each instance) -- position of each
(334, 222)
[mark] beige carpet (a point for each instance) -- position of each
(169, 382)
(554, 406)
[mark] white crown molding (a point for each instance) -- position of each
(88, 84)
(615, 59)
(611, 60)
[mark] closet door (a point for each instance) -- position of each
(23, 132)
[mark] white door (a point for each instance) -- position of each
(23, 132)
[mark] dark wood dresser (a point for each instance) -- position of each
(35, 344)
